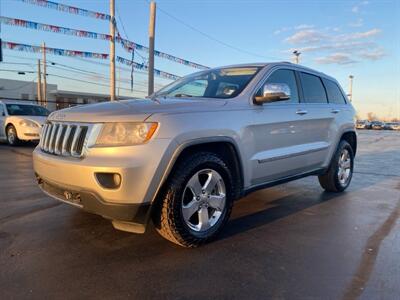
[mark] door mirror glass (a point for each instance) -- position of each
(272, 92)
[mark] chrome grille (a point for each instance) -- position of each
(65, 139)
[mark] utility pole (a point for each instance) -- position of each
(119, 80)
(351, 77)
(152, 29)
(296, 56)
(44, 94)
(39, 84)
(112, 50)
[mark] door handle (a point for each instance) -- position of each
(335, 111)
(301, 112)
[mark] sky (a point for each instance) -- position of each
(339, 38)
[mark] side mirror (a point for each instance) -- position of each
(273, 92)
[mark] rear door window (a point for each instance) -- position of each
(334, 93)
(313, 89)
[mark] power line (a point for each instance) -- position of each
(101, 77)
(208, 35)
(83, 70)
(127, 37)
(21, 86)
(97, 63)
(69, 78)
(4, 70)
(16, 63)
(91, 82)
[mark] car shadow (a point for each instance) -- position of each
(268, 205)
(21, 145)
(275, 209)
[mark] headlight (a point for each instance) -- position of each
(27, 123)
(124, 134)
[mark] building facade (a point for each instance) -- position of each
(56, 99)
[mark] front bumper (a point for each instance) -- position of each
(140, 167)
(91, 202)
(28, 133)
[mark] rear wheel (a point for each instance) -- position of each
(197, 201)
(12, 137)
(340, 172)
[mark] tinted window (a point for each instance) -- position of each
(194, 88)
(314, 91)
(287, 77)
(1, 110)
(214, 83)
(334, 93)
(26, 110)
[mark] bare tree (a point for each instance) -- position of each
(371, 116)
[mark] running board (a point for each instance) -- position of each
(282, 180)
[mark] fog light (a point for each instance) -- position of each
(109, 180)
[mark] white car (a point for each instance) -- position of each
(21, 121)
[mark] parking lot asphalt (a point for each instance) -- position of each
(292, 241)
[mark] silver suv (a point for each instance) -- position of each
(181, 157)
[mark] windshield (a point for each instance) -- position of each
(26, 110)
(217, 83)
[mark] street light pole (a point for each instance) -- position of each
(152, 27)
(351, 77)
(44, 94)
(112, 50)
(39, 84)
(296, 56)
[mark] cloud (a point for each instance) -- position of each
(280, 30)
(357, 8)
(373, 54)
(313, 36)
(358, 23)
(337, 48)
(349, 47)
(305, 36)
(303, 26)
(358, 35)
(335, 58)
(297, 27)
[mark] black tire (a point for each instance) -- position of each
(168, 216)
(12, 137)
(330, 180)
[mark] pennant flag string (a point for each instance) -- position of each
(83, 54)
(53, 28)
(126, 44)
(68, 9)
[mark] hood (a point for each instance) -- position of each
(37, 119)
(133, 110)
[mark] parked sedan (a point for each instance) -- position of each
(21, 121)
(377, 125)
(362, 124)
(392, 126)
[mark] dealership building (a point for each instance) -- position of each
(56, 99)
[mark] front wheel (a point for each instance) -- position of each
(340, 172)
(12, 137)
(197, 200)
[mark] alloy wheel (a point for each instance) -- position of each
(204, 199)
(344, 167)
(11, 135)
